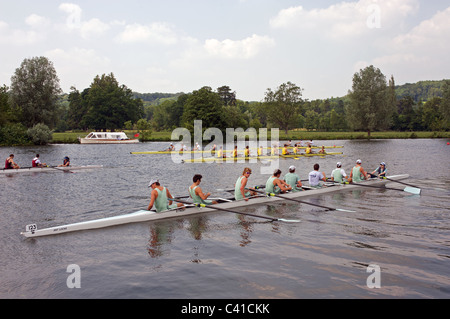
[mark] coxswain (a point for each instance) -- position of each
(66, 162)
(275, 185)
(338, 174)
(36, 162)
(293, 179)
(315, 177)
(240, 190)
(161, 197)
(196, 193)
(357, 174)
(10, 164)
(380, 172)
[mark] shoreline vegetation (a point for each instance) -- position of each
(295, 135)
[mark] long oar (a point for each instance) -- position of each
(410, 188)
(61, 170)
(235, 212)
(307, 203)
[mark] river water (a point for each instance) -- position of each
(223, 255)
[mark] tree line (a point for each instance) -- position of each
(34, 106)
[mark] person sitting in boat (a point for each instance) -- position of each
(196, 147)
(322, 150)
(10, 164)
(380, 171)
(275, 185)
(240, 190)
(247, 151)
(220, 153)
(235, 152)
(196, 193)
(309, 150)
(66, 162)
(37, 162)
(293, 179)
(171, 148)
(161, 197)
(285, 151)
(357, 174)
(315, 177)
(338, 174)
(261, 151)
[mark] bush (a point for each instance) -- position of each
(13, 134)
(40, 134)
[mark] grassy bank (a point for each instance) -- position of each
(72, 137)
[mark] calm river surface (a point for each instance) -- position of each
(222, 255)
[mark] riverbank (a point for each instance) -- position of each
(72, 137)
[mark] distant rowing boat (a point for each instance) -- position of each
(265, 157)
(47, 169)
(209, 151)
(144, 216)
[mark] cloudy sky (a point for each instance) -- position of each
(249, 45)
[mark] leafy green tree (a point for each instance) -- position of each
(431, 117)
(205, 105)
(284, 105)
(370, 108)
(6, 114)
(40, 134)
(227, 96)
(34, 91)
(445, 105)
(111, 105)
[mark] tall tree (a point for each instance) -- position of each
(204, 105)
(284, 105)
(34, 91)
(227, 96)
(445, 105)
(111, 105)
(370, 106)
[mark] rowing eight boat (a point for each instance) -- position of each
(265, 157)
(208, 152)
(47, 169)
(144, 216)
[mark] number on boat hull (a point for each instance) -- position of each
(31, 228)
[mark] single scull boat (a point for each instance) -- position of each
(144, 215)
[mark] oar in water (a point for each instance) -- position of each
(307, 203)
(61, 170)
(410, 188)
(236, 212)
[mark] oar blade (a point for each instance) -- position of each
(413, 190)
(289, 220)
(345, 210)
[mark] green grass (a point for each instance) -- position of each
(72, 137)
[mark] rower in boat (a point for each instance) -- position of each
(293, 179)
(358, 174)
(309, 150)
(66, 162)
(196, 147)
(240, 190)
(170, 148)
(196, 193)
(338, 174)
(275, 185)
(322, 150)
(380, 171)
(315, 177)
(234, 154)
(285, 151)
(10, 164)
(36, 162)
(161, 197)
(220, 153)
(261, 151)
(295, 149)
(247, 152)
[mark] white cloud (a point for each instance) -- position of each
(155, 32)
(93, 28)
(240, 49)
(36, 21)
(346, 19)
(19, 37)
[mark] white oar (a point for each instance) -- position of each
(307, 203)
(236, 212)
(410, 188)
